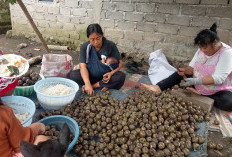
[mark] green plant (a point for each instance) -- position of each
(10, 1)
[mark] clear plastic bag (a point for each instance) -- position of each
(56, 65)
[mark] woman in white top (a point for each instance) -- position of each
(210, 70)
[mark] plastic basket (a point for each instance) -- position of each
(59, 121)
(24, 90)
(21, 105)
(49, 102)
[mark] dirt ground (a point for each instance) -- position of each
(9, 45)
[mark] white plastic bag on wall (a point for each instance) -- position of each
(159, 68)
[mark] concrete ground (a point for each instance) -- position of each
(9, 45)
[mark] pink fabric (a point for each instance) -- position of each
(206, 67)
(6, 85)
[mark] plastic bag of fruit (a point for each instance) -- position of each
(56, 65)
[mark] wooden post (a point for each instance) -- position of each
(23, 7)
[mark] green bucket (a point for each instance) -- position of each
(24, 90)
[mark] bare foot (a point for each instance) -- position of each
(104, 89)
(193, 90)
(154, 88)
(96, 85)
(138, 85)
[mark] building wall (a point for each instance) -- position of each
(5, 21)
(62, 21)
(137, 26)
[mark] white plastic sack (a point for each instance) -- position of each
(56, 65)
(159, 68)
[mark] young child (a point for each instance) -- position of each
(12, 132)
(108, 65)
(103, 59)
(110, 61)
(112, 64)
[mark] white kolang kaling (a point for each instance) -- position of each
(22, 117)
(58, 89)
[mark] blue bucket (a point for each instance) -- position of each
(59, 121)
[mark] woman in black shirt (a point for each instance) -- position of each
(89, 75)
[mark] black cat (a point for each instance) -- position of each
(49, 148)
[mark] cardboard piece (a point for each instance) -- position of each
(204, 102)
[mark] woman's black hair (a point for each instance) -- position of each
(207, 36)
(94, 28)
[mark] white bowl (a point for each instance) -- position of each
(20, 104)
(50, 102)
(17, 57)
